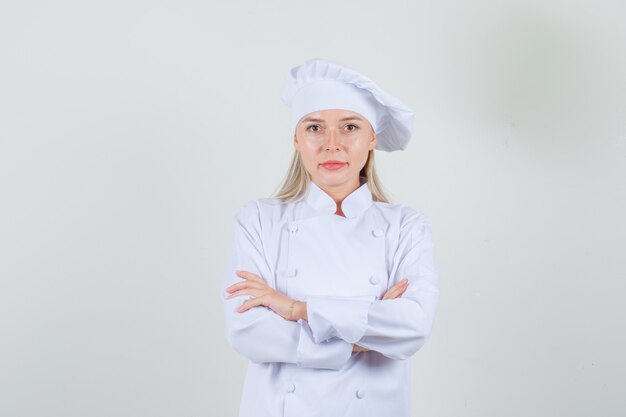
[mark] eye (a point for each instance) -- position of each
(353, 125)
(316, 126)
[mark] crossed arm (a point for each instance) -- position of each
(323, 331)
(288, 308)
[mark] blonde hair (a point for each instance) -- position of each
(297, 180)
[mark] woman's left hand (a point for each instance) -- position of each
(264, 295)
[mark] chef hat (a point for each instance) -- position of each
(319, 84)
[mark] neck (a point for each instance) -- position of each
(339, 192)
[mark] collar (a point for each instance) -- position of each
(352, 205)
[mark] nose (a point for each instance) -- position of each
(332, 140)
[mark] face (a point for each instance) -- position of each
(334, 135)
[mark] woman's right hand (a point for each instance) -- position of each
(393, 292)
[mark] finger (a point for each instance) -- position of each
(249, 276)
(237, 286)
(253, 302)
(390, 295)
(251, 291)
(399, 285)
(244, 284)
(396, 290)
(393, 291)
(401, 290)
(386, 296)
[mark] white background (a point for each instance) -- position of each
(130, 131)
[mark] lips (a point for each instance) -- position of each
(333, 165)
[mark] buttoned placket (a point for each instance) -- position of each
(357, 202)
(354, 205)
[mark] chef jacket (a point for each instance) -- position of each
(341, 267)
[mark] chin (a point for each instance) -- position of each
(334, 178)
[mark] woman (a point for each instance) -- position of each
(330, 289)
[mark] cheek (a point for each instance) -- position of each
(359, 151)
(308, 154)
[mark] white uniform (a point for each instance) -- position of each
(341, 267)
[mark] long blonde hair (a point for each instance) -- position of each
(297, 180)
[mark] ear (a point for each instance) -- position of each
(295, 141)
(373, 141)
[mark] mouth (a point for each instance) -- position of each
(333, 165)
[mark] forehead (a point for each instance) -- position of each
(331, 115)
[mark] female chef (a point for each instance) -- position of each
(330, 289)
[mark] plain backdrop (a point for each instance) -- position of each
(131, 131)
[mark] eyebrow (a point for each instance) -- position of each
(312, 119)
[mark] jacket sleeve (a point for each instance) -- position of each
(397, 328)
(259, 333)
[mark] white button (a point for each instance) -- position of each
(293, 228)
(373, 280)
(377, 232)
(291, 387)
(292, 272)
(360, 393)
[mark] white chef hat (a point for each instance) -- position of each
(319, 84)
